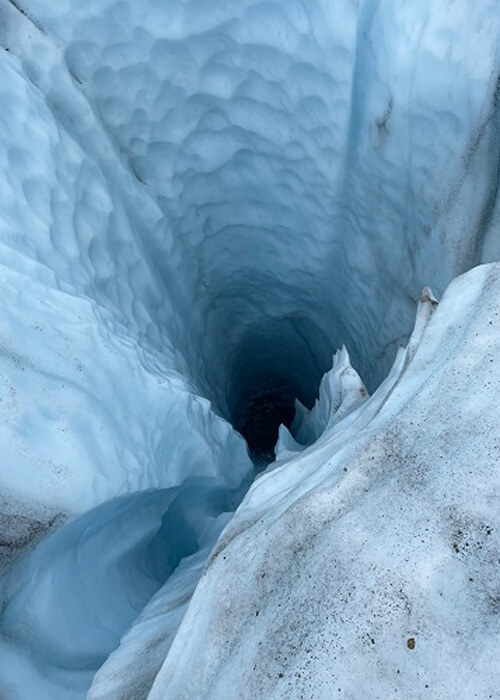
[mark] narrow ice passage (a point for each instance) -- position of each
(200, 207)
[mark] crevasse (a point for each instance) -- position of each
(200, 206)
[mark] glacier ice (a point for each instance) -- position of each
(201, 205)
(367, 566)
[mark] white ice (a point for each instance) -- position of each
(367, 566)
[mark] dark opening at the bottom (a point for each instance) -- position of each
(260, 422)
(272, 363)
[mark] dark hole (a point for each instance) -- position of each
(272, 363)
(260, 419)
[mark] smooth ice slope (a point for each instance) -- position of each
(386, 530)
(201, 203)
(79, 591)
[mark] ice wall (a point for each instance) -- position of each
(201, 203)
(360, 134)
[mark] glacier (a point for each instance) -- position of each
(249, 341)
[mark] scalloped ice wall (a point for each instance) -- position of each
(306, 162)
(202, 200)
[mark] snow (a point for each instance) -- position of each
(201, 202)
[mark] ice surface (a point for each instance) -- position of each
(96, 574)
(341, 391)
(200, 203)
(386, 530)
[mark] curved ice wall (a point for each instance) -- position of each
(200, 203)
